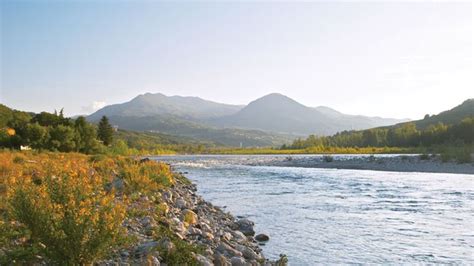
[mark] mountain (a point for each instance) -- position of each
(183, 116)
(267, 121)
(279, 113)
(450, 117)
(148, 104)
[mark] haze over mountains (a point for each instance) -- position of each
(269, 120)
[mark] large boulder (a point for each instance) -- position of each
(246, 227)
(262, 237)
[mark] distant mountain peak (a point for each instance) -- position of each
(273, 112)
(149, 104)
(275, 99)
(274, 95)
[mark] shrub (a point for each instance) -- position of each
(55, 209)
(182, 253)
(328, 158)
(19, 159)
(70, 215)
(458, 154)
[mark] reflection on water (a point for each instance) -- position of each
(343, 216)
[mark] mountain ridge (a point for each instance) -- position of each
(273, 115)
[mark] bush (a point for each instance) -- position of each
(55, 207)
(182, 253)
(328, 158)
(71, 215)
(457, 154)
(19, 159)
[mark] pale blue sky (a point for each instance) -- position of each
(388, 59)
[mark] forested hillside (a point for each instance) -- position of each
(54, 132)
(453, 128)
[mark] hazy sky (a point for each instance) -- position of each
(389, 59)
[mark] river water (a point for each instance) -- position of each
(321, 216)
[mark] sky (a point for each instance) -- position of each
(389, 59)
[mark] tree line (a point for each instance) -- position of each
(405, 135)
(54, 132)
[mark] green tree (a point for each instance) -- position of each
(85, 137)
(19, 122)
(61, 138)
(36, 135)
(105, 131)
(370, 138)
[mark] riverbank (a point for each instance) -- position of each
(69, 208)
(221, 238)
(399, 163)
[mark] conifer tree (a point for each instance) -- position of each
(105, 132)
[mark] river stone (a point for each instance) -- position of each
(166, 244)
(239, 236)
(262, 237)
(247, 252)
(194, 231)
(227, 236)
(145, 248)
(238, 261)
(221, 260)
(208, 235)
(167, 196)
(205, 227)
(226, 249)
(246, 227)
(203, 261)
(148, 222)
(180, 203)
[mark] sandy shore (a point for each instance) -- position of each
(396, 163)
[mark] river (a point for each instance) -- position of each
(342, 216)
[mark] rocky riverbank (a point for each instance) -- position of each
(222, 239)
(401, 163)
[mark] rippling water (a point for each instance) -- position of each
(343, 216)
